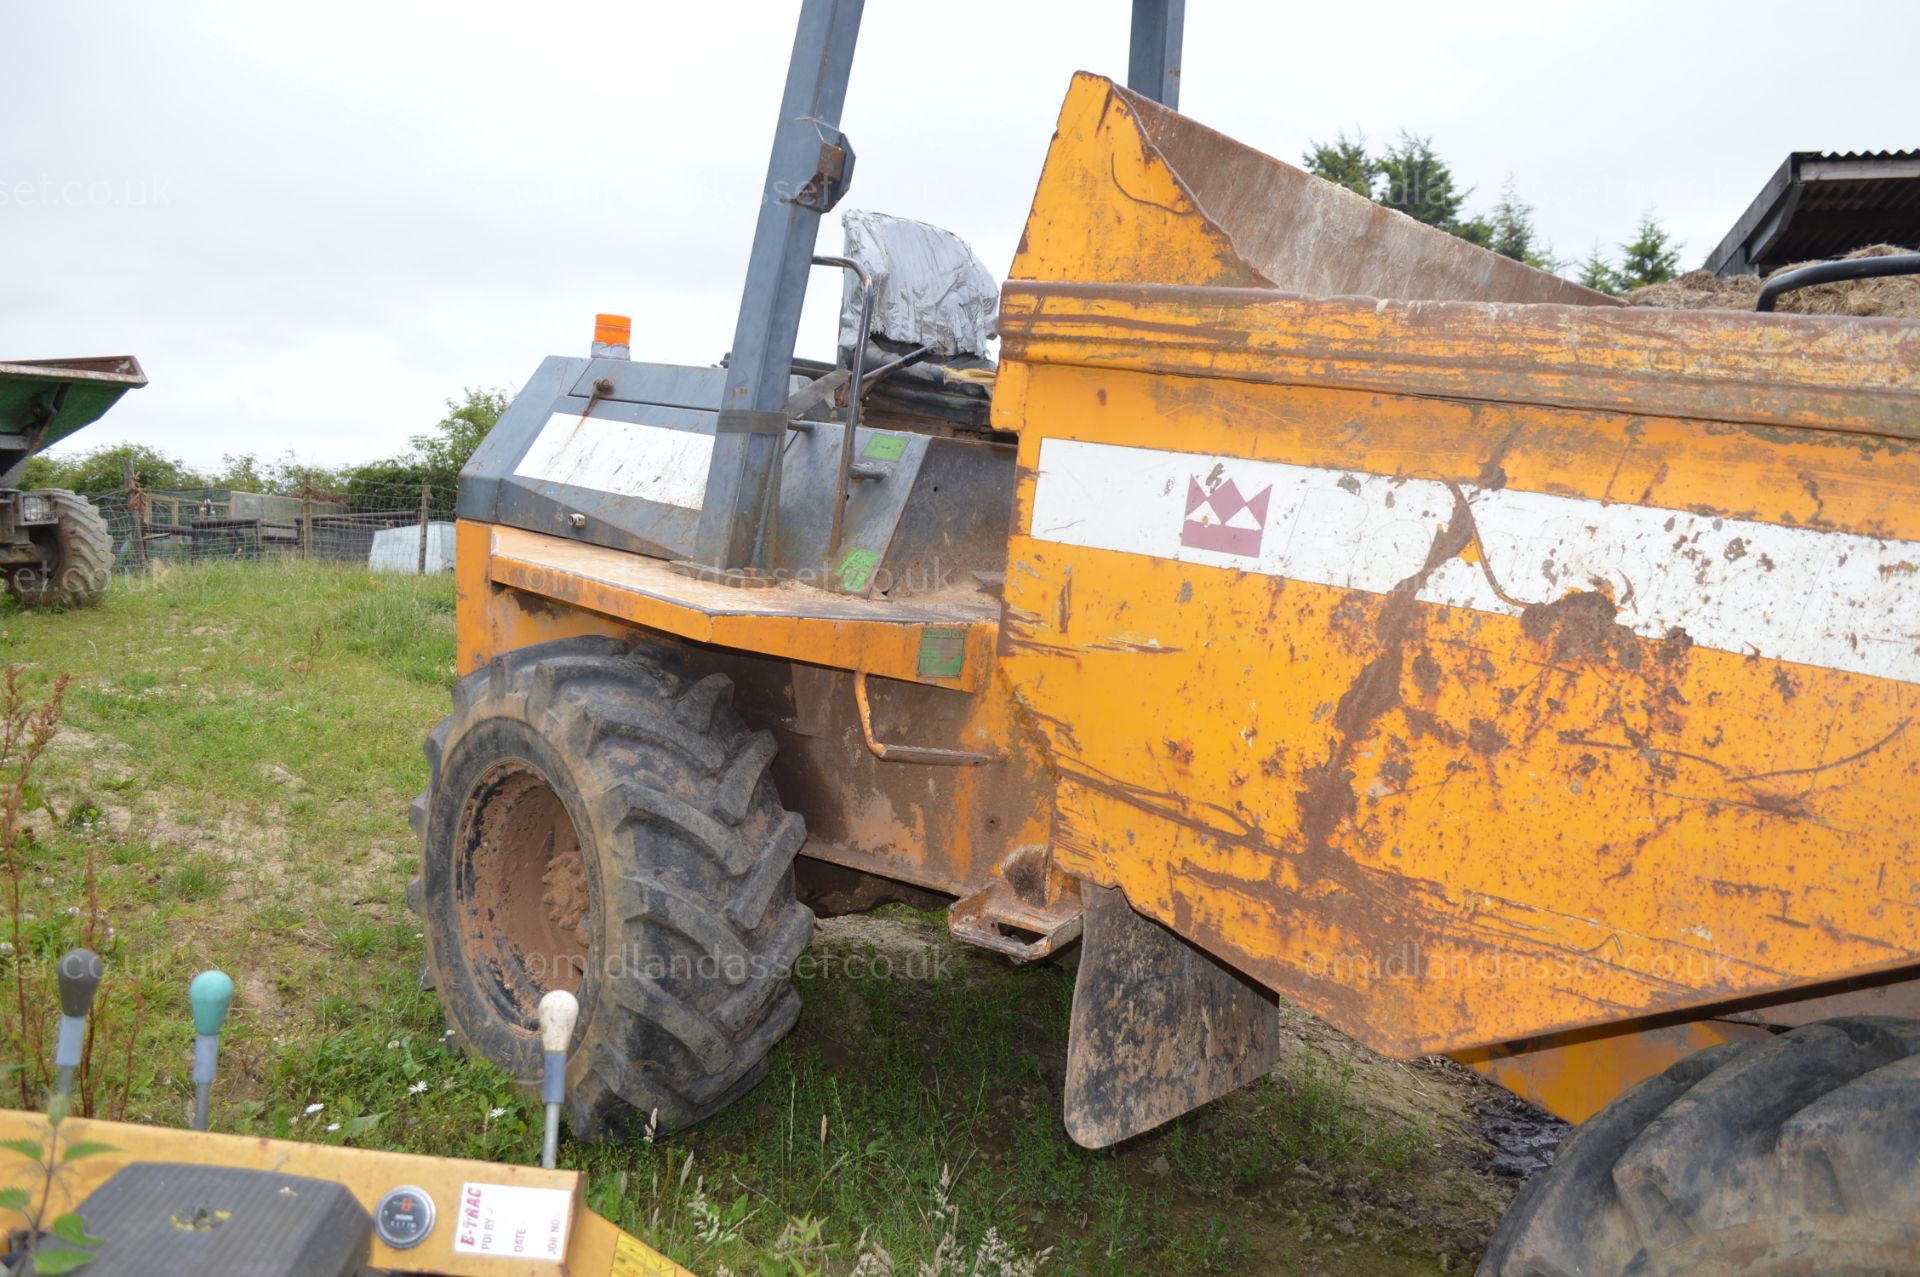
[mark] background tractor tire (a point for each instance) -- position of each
(596, 822)
(1798, 1155)
(82, 562)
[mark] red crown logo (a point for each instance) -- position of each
(1223, 520)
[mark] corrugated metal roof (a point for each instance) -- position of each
(1823, 204)
(1859, 155)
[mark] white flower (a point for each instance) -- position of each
(314, 1108)
(394, 1045)
(418, 1088)
(493, 1113)
(333, 1126)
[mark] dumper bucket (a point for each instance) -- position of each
(42, 401)
(1463, 664)
(1133, 193)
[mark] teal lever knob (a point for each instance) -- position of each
(210, 994)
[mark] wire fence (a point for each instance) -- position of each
(394, 528)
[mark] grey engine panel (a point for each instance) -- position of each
(965, 501)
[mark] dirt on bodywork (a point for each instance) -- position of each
(1583, 624)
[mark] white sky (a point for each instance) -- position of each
(315, 222)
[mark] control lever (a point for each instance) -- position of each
(558, 1012)
(79, 975)
(210, 994)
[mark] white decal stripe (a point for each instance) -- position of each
(1830, 599)
(649, 462)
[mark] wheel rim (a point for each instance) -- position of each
(525, 912)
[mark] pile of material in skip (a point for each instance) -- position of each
(1894, 295)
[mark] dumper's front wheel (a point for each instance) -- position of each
(1799, 1155)
(77, 551)
(596, 822)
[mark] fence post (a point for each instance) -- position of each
(136, 511)
(306, 520)
(426, 513)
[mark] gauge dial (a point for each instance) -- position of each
(404, 1217)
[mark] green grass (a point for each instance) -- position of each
(242, 742)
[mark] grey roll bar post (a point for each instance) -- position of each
(1153, 52)
(807, 173)
(809, 170)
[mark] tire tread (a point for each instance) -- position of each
(1778, 1156)
(705, 864)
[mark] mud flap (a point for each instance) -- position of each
(1159, 1028)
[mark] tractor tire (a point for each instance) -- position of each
(596, 822)
(82, 561)
(1800, 1154)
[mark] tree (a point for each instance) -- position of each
(1510, 231)
(1653, 257)
(1411, 177)
(1598, 274)
(1344, 162)
(434, 460)
(380, 484)
(243, 473)
(40, 472)
(443, 451)
(1476, 230)
(101, 470)
(247, 473)
(295, 477)
(1417, 182)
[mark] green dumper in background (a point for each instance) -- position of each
(55, 548)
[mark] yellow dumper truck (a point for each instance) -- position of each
(1317, 607)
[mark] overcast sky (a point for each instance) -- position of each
(315, 222)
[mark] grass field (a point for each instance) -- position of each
(238, 748)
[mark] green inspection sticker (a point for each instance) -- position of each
(857, 569)
(886, 447)
(943, 652)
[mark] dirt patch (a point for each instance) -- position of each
(258, 993)
(281, 776)
(78, 741)
(1327, 798)
(522, 921)
(1484, 738)
(1699, 290)
(1524, 1139)
(1484, 1144)
(253, 845)
(1895, 296)
(95, 770)
(1427, 672)
(900, 946)
(1581, 626)
(566, 896)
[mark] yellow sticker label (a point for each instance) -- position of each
(634, 1258)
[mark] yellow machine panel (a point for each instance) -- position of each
(592, 1246)
(1466, 721)
(1465, 671)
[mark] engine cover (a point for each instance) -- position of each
(170, 1217)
